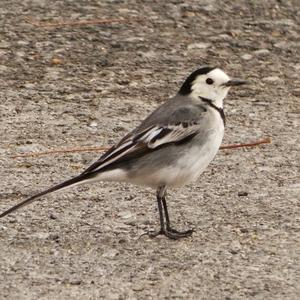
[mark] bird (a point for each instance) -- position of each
(170, 148)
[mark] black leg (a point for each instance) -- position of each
(165, 229)
(168, 226)
(164, 202)
(161, 218)
(161, 214)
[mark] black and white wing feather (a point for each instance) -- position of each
(173, 122)
(150, 139)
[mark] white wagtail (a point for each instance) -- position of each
(170, 148)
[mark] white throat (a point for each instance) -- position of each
(215, 92)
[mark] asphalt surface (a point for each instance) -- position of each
(76, 85)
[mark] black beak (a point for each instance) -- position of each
(235, 82)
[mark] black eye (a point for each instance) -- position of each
(209, 81)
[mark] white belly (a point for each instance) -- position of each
(197, 160)
(189, 166)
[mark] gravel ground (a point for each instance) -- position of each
(88, 85)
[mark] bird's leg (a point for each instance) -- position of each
(168, 226)
(165, 228)
(161, 219)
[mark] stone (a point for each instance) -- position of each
(235, 247)
(247, 56)
(198, 46)
(296, 92)
(271, 79)
(262, 52)
(111, 253)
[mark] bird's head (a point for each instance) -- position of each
(210, 83)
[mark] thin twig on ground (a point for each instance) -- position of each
(264, 141)
(100, 149)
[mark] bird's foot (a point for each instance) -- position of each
(170, 233)
(185, 233)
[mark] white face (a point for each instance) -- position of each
(211, 86)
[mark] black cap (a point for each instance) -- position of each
(186, 88)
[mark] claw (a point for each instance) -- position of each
(169, 233)
(182, 233)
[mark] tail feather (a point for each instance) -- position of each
(57, 187)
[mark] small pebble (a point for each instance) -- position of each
(247, 56)
(75, 281)
(209, 8)
(93, 124)
(297, 66)
(262, 52)
(134, 39)
(111, 253)
(188, 14)
(52, 217)
(198, 46)
(22, 43)
(296, 92)
(20, 53)
(242, 194)
(235, 247)
(53, 236)
(225, 37)
(137, 288)
(29, 86)
(282, 45)
(56, 61)
(271, 79)
(125, 215)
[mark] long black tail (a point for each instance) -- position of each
(57, 187)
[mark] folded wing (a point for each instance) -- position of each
(150, 139)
